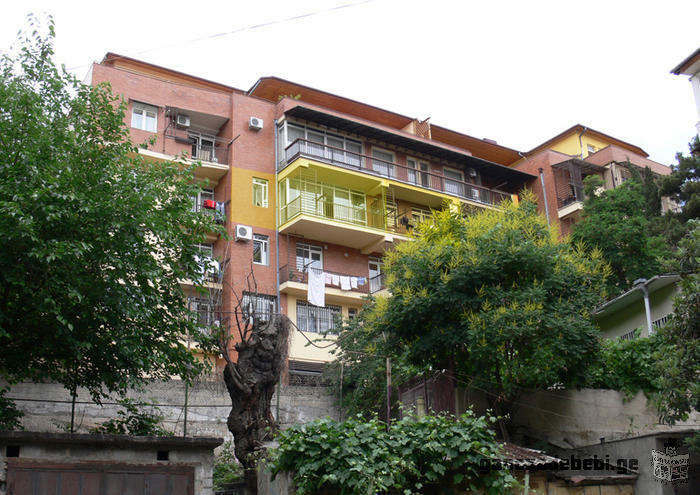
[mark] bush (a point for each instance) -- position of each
(627, 365)
(420, 455)
(133, 420)
(227, 469)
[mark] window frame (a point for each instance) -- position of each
(315, 311)
(264, 184)
(307, 260)
(144, 108)
(264, 241)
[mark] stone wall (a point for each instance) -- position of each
(47, 406)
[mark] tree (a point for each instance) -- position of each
(679, 363)
(93, 239)
(615, 221)
(254, 344)
(495, 298)
(683, 185)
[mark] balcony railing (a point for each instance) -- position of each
(196, 150)
(377, 283)
(322, 208)
(290, 273)
(219, 217)
(369, 165)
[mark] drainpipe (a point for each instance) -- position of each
(526, 482)
(641, 284)
(580, 142)
(277, 257)
(544, 192)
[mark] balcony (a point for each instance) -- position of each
(211, 151)
(295, 282)
(399, 174)
(568, 182)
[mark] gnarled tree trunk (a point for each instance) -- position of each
(251, 383)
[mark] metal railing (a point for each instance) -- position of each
(377, 283)
(195, 150)
(370, 165)
(291, 273)
(327, 209)
(218, 216)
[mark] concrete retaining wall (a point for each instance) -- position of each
(47, 406)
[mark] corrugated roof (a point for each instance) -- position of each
(518, 456)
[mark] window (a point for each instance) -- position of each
(316, 319)
(144, 117)
(201, 197)
(420, 215)
(418, 172)
(204, 310)
(591, 149)
(203, 147)
(316, 142)
(258, 306)
(375, 266)
(454, 181)
(261, 249)
(308, 255)
(260, 192)
(352, 313)
(383, 167)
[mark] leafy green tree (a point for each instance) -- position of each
(134, 419)
(493, 296)
(615, 221)
(362, 354)
(679, 360)
(93, 239)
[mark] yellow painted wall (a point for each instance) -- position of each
(242, 198)
(570, 144)
(298, 348)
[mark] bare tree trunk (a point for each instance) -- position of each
(251, 383)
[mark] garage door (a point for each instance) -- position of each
(34, 478)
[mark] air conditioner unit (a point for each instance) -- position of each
(244, 233)
(255, 123)
(183, 120)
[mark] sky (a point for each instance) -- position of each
(518, 72)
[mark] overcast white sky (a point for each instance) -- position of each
(515, 71)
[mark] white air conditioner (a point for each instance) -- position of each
(255, 123)
(244, 233)
(183, 120)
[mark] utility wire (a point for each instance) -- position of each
(240, 30)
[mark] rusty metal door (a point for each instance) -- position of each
(38, 478)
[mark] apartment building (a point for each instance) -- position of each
(690, 67)
(313, 189)
(564, 161)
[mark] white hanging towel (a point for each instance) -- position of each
(353, 282)
(317, 287)
(344, 282)
(329, 279)
(336, 279)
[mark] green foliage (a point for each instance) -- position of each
(133, 420)
(93, 239)
(362, 354)
(430, 454)
(227, 469)
(627, 366)
(10, 416)
(679, 360)
(615, 221)
(493, 295)
(683, 185)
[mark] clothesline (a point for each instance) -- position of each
(318, 279)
